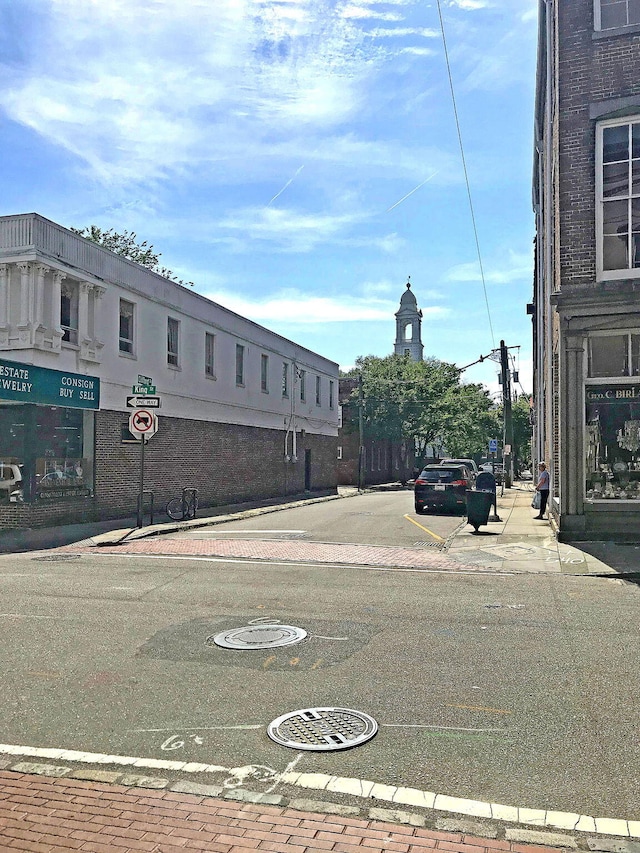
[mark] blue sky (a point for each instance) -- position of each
(264, 148)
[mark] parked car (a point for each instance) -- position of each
(469, 463)
(10, 479)
(442, 487)
(526, 474)
(497, 469)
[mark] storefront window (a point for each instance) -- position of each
(613, 442)
(46, 452)
(608, 355)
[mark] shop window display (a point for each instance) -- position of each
(49, 447)
(613, 442)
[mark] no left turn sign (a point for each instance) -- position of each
(143, 423)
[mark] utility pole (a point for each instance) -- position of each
(360, 432)
(508, 419)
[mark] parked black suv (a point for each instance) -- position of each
(442, 486)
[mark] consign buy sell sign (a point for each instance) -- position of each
(28, 384)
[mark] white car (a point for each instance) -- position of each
(10, 478)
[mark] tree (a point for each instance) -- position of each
(126, 244)
(424, 401)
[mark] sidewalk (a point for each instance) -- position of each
(520, 543)
(42, 814)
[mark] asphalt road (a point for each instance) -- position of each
(379, 518)
(515, 689)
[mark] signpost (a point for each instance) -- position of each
(143, 423)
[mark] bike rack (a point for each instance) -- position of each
(141, 507)
(189, 493)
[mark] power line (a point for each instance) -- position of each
(464, 168)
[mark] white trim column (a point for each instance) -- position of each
(38, 313)
(4, 296)
(83, 313)
(25, 294)
(56, 298)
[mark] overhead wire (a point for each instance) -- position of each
(464, 168)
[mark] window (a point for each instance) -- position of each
(69, 312)
(616, 13)
(318, 395)
(618, 188)
(264, 373)
(614, 355)
(209, 354)
(285, 379)
(126, 326)
(303, 386)
(239, 364)
(173, 329)
(330, 394)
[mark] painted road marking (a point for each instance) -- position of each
(426, 530)
(479, 708)
(363, 788)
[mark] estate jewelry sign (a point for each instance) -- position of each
(26, 383)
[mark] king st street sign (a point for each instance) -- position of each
(26, 383)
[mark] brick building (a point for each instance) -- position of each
(244, 412)
(381, 461)
(586, 306)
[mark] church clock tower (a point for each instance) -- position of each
(408, 327)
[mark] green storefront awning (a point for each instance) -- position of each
(28, 384)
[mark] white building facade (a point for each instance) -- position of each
(244, 412)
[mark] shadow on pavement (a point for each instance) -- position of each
(623, 557)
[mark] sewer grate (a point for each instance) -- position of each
(257, 637)
(56, 558)
(430, 544)
(322, 729)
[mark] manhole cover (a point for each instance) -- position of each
(322, 729)
(56, 558)
(257, 637)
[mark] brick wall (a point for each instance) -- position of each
(590, 71)
(225, 462)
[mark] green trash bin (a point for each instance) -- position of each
(478, 507)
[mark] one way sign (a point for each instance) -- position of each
(143, 402)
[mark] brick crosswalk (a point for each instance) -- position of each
(39, 814)
(290, 551)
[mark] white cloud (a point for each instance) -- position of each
(136, 90)
(515, 267)
(292, 307)
(470, 5)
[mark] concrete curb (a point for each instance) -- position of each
(438, 812)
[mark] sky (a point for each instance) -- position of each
(296, 159)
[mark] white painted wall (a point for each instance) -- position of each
(186, 391)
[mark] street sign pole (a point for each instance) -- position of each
(141, 495)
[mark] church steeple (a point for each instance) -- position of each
(409, 326)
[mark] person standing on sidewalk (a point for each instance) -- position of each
(542, 487)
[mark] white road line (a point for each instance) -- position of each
(364, 788)
(197, 728)
(443, 728)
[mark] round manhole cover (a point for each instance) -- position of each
(258, 637)
(322, 729)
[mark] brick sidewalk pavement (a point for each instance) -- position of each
(39, 814)
(289, 551)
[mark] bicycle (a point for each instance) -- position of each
(181, 509)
